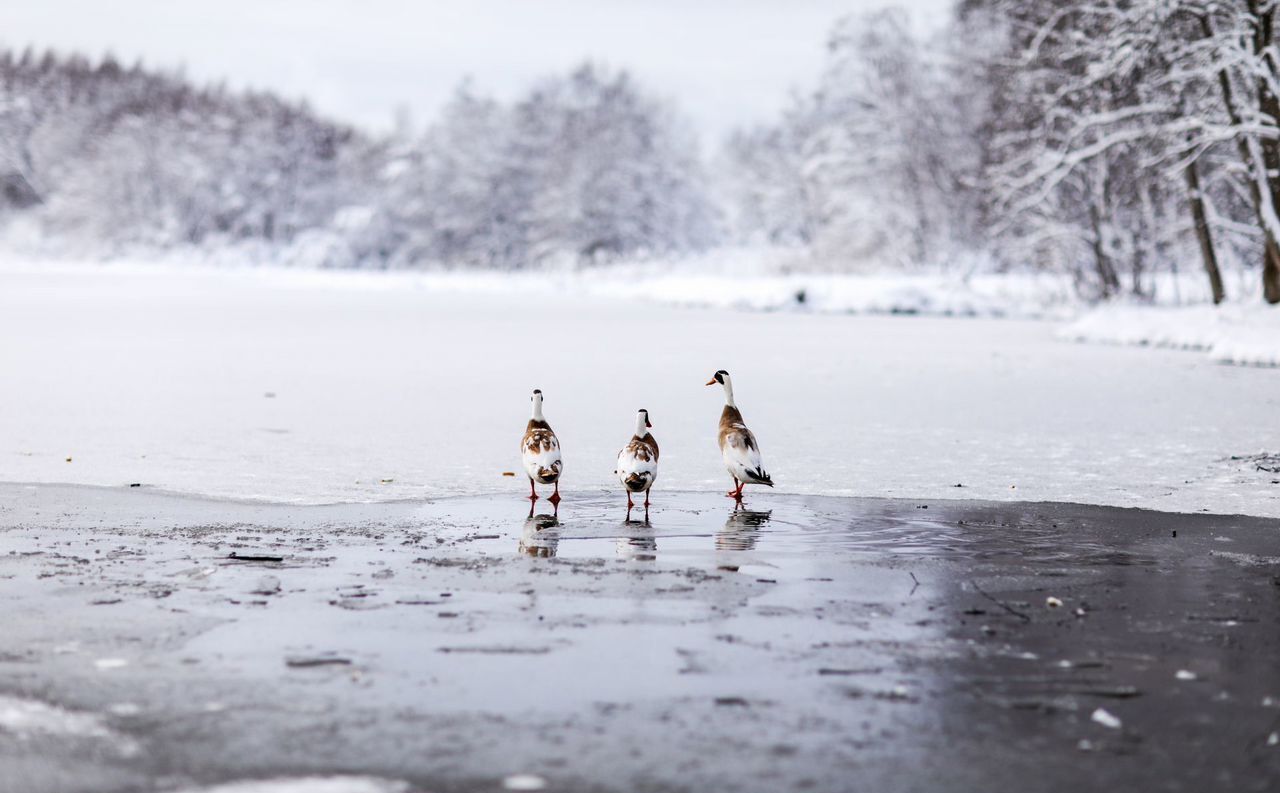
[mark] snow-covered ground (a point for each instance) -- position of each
(1232, 333)
(312, 387)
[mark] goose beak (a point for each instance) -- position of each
(712, 381)
(647, 424)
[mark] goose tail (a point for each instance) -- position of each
(636, 482)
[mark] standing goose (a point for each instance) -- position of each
(540, 452)
(738, 447)
(638, 461)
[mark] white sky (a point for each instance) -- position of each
(725, 63)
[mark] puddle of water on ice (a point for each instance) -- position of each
(699, 526)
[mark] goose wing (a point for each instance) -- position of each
(742, 457)
(540, 453)
(638, 464)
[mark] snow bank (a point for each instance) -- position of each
(1024, 296)
(1239, 334)
(744, 279)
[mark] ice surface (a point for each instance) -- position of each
(29, 719)
(307, 387)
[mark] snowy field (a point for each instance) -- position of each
(312, 388)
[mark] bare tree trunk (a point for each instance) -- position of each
(1202, 233)
(1270, 106)
(1106, 272)
(1270, 247)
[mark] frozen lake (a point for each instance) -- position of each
(316, 388)
(446, 638)
(162, 643)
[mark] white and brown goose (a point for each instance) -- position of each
(540, 453)
(738, 446)
(638, 461)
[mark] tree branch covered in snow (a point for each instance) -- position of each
(1110, 140)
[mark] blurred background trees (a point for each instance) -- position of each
(1114, 140)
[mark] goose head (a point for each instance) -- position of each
(722, 377)
(537, 404)
(642, 423)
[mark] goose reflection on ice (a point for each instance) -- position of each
(637, 541)
(540, 535)
(742, 530)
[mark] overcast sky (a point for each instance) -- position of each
(725, 63)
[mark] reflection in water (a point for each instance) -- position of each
(540, 535)
(741, 530)
(637, 540)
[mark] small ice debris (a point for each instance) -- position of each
(1028, 656)
(1085, 745)
(267, 585)
(125, 709)
(1270, 702)
(214, 707)
(1065, 664)
(1185, 674)
(1273, 739)
(1053, 602)
(254, 557)
(1079, 612)
(312, 784)
(1106, 719)
(524, 782)
(110, 663)
(308, 661)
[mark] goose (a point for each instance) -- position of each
(638, 461)
(540, 453)
(738, 447)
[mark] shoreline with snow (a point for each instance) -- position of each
(1243, 332)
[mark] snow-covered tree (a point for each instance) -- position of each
(874, 165)
(585, 168)
(1114, 129)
